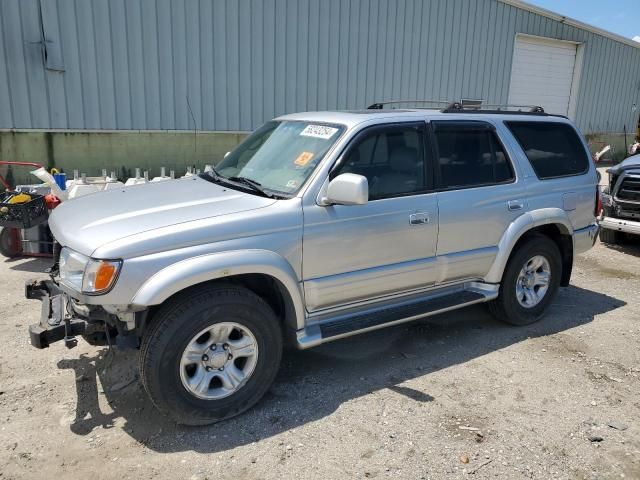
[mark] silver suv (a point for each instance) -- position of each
(319, 226)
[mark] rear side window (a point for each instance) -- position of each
(553, 149)
(470, 155)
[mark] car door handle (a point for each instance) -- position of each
(419, 218)
(514, 205)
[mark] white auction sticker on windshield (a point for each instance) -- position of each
(318, 131)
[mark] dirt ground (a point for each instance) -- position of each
(456, 396)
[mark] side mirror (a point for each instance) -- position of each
(347, 189)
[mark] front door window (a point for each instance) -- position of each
(391, 159)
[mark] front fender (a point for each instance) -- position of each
(192, 271)
(520, 226)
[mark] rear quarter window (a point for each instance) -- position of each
(553, 149)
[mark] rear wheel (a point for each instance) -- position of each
(530, 282)
(611, 237)
(210, 354)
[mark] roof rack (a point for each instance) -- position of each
(463, 107)
(457, 107)
(380, 105)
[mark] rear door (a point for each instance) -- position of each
(479, 195)
(563, 167)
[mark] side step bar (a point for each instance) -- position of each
(392, 314)
(389, 314)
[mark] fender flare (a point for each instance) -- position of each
(192, 271)
(521, 225)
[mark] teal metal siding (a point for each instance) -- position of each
(232, 64)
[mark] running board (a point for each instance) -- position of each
(374, 318)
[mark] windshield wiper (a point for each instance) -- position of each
(213, 176)
(255, 186)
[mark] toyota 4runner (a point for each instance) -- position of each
(319, 226)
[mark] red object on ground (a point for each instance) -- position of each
(51, 201)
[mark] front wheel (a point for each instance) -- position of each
(530, 282)
(210, 354)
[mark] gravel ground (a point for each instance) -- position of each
(457, 396)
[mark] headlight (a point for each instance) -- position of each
(87, 274)
(72, 265)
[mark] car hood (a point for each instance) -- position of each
(87, 223)
(631, 163)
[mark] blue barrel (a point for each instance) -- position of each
(61, 180)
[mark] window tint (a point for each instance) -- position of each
(470, 155)
(392, 160)
(554, 149)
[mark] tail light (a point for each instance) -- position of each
(598, 208)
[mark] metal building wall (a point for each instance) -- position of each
(144, 64)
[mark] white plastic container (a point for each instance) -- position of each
(83, 188)
(71, 182)
(100, 181)
(163, 177)
(137, 180)
(112, 182)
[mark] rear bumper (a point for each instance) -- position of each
(620, 225)
(585, 238)
(55, 323)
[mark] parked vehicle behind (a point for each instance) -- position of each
(318, 226)
(621, 202)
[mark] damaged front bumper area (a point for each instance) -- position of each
(65, 316)
(56, 323)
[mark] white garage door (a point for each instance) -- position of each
(542, 73)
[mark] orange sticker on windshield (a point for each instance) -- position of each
(303, 158)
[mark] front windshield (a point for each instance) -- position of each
(280, 155)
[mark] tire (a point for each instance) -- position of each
(179, 324)
(507, 307)
(612, 237)
(9, 246)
